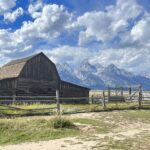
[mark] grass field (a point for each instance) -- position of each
(86, 125)
(125, 130)
(27, 129)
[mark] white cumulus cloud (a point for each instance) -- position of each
(141, 31)
(71, 54)
(52, 21)
(106, 25)
(48, 26)
(35, 9)
(6, 5)
(12, 16)
(116, 40)
(130, 58)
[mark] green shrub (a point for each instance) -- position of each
(59, 122)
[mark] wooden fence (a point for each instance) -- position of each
(14, 103)
(105, 97)
(101, 100)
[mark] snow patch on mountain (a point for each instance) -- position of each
(96, 76)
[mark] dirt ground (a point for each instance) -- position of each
(123, 134)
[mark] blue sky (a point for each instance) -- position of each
(102, 31)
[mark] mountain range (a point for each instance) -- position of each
(99, 77)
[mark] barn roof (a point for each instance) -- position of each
(14, 67)
(17, 61)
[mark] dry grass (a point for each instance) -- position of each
(123, 130)
(34, 129)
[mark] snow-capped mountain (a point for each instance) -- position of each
(111, 75)
(98, 77)
(67, 73)
(87, 74)
(147, 75)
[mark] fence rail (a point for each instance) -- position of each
(94, 102)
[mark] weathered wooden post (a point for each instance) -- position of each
(92, 99)
(116, 90)
(139, 100)
(130, 92)
(122, 91)
(140, 97)
(109, 92)
(104, 104)
(58, 102)
(14, 97)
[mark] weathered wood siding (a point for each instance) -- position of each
(40, 68)
(8, 86)
(37, 87)
(72, 90)
(39, 77)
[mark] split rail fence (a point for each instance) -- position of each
(22, 105)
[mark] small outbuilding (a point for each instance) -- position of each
(36, 75)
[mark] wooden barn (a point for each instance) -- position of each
(36, 75)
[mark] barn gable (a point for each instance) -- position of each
(36, 66)
(39, 68)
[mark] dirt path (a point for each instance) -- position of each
(124, 131)
(72, 143)
(59, 144)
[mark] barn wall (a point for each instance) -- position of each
(8, 86)
(40, 68)
(70, 90)
(38, 77)
(36, 87)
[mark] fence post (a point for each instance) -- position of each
(57, 102)
(92, 99)
(140, 97)
(14, 97)
(130, 92)
(115, 90)
(104, 104)
(109, 92)
(122, 91)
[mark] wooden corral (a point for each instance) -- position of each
(35, 75)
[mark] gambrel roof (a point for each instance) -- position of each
(11, 71)
(14, 67)
(22, 60)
